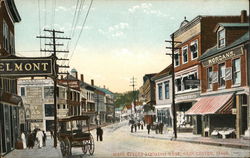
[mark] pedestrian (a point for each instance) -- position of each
(99, 133)
(157, 129)
(135, 127)
(141, 125)
(31, 140)
(23, 137)
(161, 127)
(148, 127)
(138, 124)
(132, 127)
(44, 138)
(51, 134)
(39, 136)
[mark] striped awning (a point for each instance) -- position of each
(221, 104)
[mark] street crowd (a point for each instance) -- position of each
(158, 127)
(37, 137)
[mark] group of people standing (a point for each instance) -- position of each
(37, 136)
(135, 125)
(158, 128)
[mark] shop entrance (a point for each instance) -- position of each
(243, 119)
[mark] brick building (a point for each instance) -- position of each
(224, 102)
(195, 37)
(11, 107)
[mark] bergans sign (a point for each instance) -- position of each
(25, 67)
(223, 57)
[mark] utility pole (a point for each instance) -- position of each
(133, 82)
(173, 42)
(54, 51)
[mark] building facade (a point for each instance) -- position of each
(194, 37)
(11, 108)
(163, 95)
(224, 78)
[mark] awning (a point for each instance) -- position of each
(221, 104)
(11, 98)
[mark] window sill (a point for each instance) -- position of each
(220, 88)
(235, 85)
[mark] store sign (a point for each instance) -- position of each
(75, 84)
(25, 67)
(192, 82)
(223, 57)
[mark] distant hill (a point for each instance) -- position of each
(122, 99)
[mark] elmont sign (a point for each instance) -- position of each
(25, 66)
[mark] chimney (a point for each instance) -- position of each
(82, 78)
(243, 16)
(76, 75)
(104, 87)
(92, 82)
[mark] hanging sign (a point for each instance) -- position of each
(26, 67)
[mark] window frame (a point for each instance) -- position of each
(219, 75)
(21, 91)
(165, 90)
(184, 48)
(233, 71)
(209, 85)
(159, 91)
(219, 38)
(177, 52)
(197, 50)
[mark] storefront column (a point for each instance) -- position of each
(247, 132)
(238, 116)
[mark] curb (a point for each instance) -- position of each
(238, 146)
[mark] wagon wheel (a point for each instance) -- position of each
(91, 145)
(84, 147)
(67, 146)
(63, 148)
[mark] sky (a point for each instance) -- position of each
(119, 40)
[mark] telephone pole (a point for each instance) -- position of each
(133, 84)
(53, 37)
(173, 42)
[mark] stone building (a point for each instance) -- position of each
(11, 108)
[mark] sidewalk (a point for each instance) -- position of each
(191, 138)
(46, 152)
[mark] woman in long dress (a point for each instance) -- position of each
(39, 136)
(23, 140)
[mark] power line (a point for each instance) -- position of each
(85, 20)
(39, 21)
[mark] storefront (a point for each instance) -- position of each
(164, 115)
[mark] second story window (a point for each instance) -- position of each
(194, 49)
(166, 84)
(48, 91)
(178, 84)
(222, 75)
(236, 71)
(160, 91)
(209, 78)
(22, 91)
(221, 38)
(5, 36)
(184, 54)
(176, 58)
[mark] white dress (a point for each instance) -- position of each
(23, 140)
(39, 136)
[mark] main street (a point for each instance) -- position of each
(119, 142)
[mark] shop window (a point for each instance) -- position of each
(166, 84)
(184, 54)
(244, 99)
(222, 75)
(22, 91)
(194, 49)
(48, 91)
(209, 77)
(49, 110)
(221, 38)
(178, 84)
(160, 91)
(176, 58)
(236, 71)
